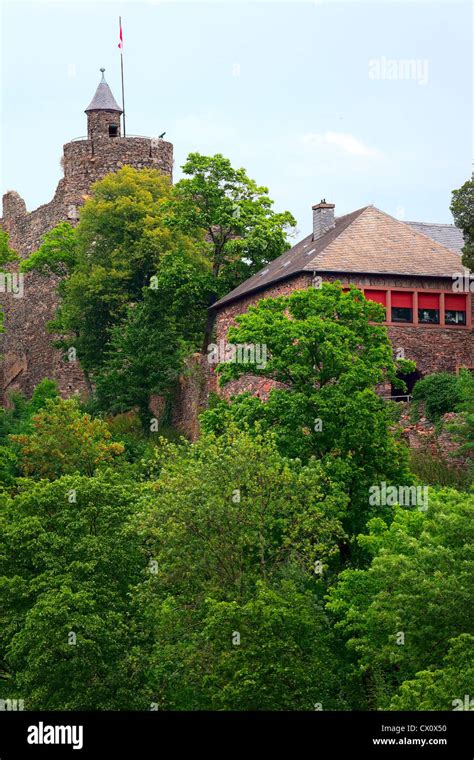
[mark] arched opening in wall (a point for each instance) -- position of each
(113, 130)
(410, 381)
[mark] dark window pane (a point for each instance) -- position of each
(455, 317)
(400, 314)
(428, 316)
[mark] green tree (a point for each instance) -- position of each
(187, 244)
(147, 351)
(441, 688)
(242, 554)
(242, 231)
(400, 614)
(110, 257)
(57, 254)
(16, 419)
(64, 440)
(8, 466)
(272, 651)
(67, 564)
(463, 428)
(462, 209)
(327, 355)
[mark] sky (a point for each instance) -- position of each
(353, 102)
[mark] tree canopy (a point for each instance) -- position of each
(326, 353)
(402, 615)
(462, 209)
(250, 569)
(146, 252)
(64, 440)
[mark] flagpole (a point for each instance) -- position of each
(121, 69)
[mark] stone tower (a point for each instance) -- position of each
(26, 346)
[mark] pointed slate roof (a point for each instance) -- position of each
(103, 99)
(367, 241)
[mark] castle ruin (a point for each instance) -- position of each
(26, 347)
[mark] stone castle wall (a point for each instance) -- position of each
(26, 345)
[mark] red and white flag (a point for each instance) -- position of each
(120, 35)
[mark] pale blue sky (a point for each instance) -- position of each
(296, 92)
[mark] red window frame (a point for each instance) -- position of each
(445, 296)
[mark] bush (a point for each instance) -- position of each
(463, 428)
(440, 394)
(435, 471)
(63, 441)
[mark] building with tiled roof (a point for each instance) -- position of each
(414, 269)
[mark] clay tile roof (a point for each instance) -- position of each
(103, 99)
(291, 262)
(367, 241)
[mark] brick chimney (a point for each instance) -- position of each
(323, 218)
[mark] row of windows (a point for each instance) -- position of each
(429, 307)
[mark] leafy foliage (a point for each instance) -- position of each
(247, 570)
(147, 351)
(66, 563)
(390, 612)
(63, 441)
(462, 209)
(440, 394)
(328, 354)
(110, 257)
(7, 254)
(435, 470)
(16, 419)
(188, 244)
(463, 428)
(243, 233)
(441, 688)
(237, 555)
(57, 253)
